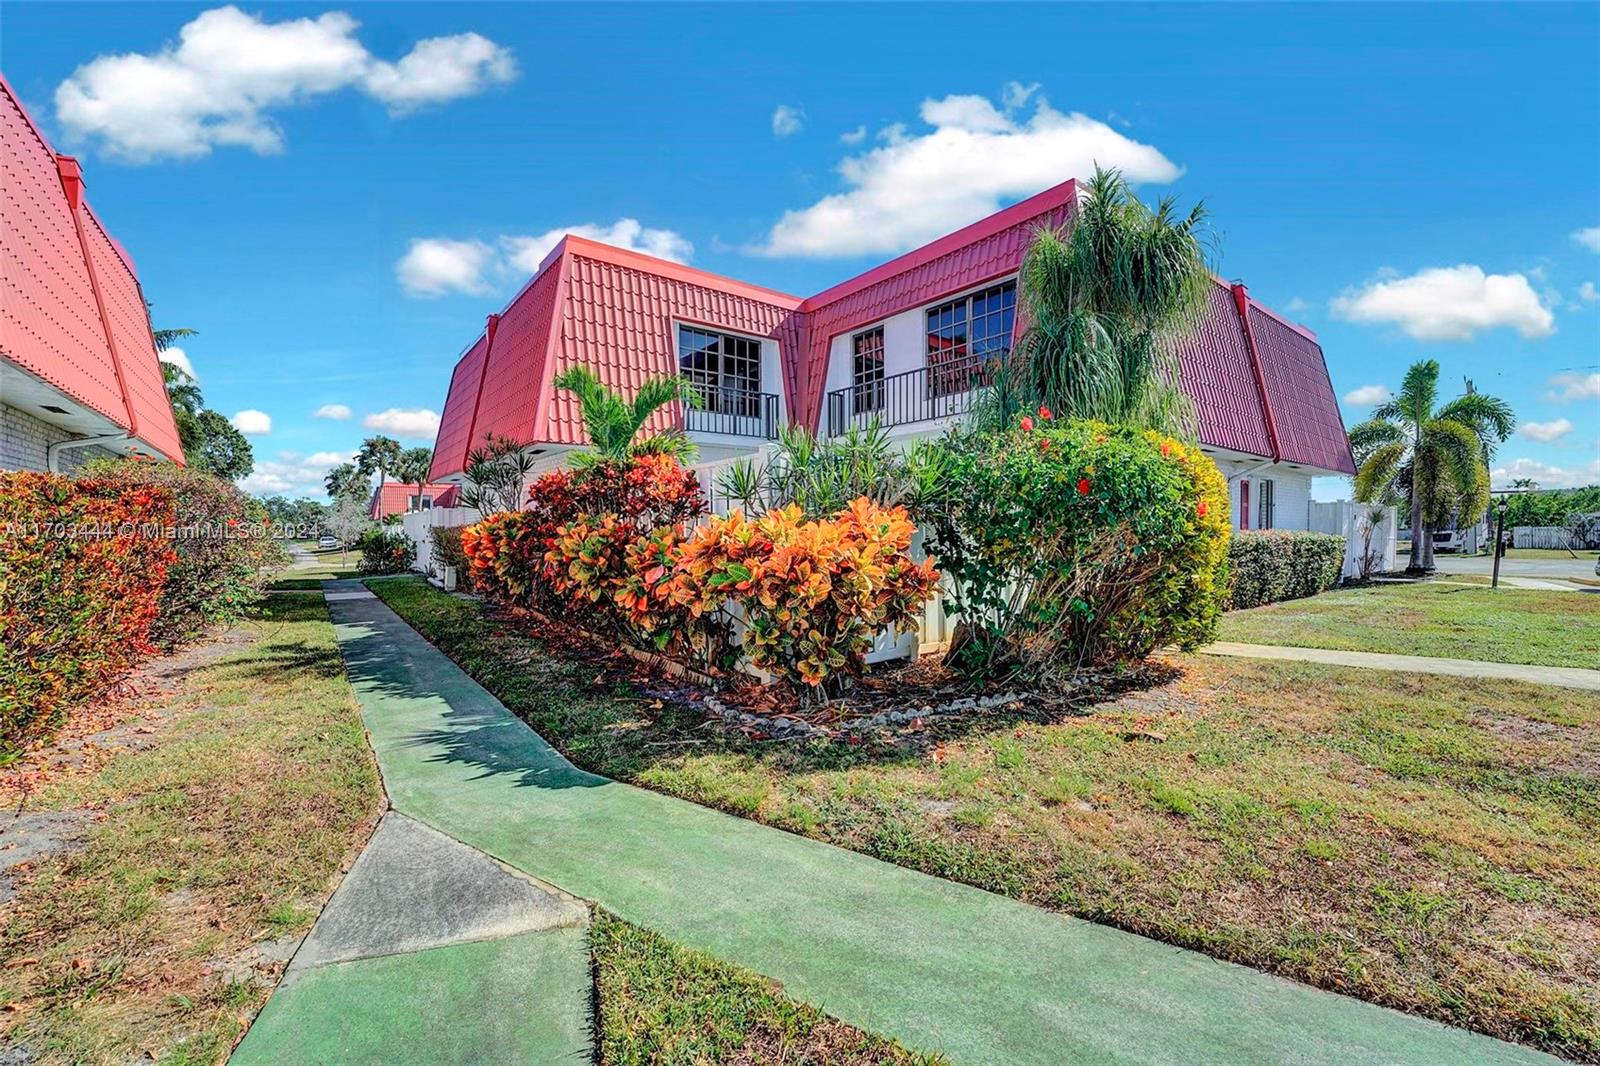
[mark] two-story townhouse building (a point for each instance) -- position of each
(903, 344)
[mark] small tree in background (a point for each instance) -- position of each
(347, 522)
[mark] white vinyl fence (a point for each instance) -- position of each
(1348, 519)
(418, 526)
(1540, 537)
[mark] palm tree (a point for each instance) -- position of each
(378, 455)
(1435, 460)
(346, 481)
(1106, 301)
(613, 422)
(166, 338)
(412, 467)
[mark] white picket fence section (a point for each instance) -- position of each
(418, 526)
(1348, 519)
(1540, 537)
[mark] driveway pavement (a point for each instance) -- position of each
(1557, 569)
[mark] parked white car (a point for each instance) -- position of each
(328, 542)
(1449, 540)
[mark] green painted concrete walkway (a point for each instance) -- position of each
(940, 966)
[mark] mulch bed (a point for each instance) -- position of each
(918, 698)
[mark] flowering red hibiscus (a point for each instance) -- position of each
(1027, 423)
(1083, 486)
(1201, 508)
(1166, 448)
(1045, 413)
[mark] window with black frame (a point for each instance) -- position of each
(724, 369)
(966, 337)
(866, 380)
(1266, 504)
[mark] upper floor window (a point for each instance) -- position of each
(723, 368)
(866, 378)
(967, 334)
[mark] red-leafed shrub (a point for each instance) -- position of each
(813, 595)
(82, 566)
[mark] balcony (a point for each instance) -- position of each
(733, 413)
(925, 395)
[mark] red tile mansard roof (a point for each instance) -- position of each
(1259, 383)
(394, 497)
(72, 315)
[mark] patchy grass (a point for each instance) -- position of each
(1492, 625)
(662, 1003)
(221, 834)
(1424, 842)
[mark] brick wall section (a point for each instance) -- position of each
(24, 441)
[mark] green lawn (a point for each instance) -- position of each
(1452, 621)
(663, 1004)
(226, 831)
(1428, 843)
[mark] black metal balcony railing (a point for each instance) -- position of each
(734, 412)
(932, 392)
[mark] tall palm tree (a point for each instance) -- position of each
(346, 481)
(613, 422)
(378, 455)
(1436, 460)
(1106, 301)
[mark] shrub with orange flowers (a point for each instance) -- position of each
(813, 596)
(1078, 545)
(83, 562)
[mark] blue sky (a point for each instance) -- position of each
(336, 196)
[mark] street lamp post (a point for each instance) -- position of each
(1499, 538)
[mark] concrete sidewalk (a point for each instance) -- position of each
(424, 928)
(1562, 676)
(941, 966)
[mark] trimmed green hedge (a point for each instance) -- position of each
(1279, 564)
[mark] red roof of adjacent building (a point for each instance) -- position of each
(72, 312)
(394, 497)
(1259, 383)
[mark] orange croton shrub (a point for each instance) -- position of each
(83, 562)
(813, 595)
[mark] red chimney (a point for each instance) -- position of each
(71, 180)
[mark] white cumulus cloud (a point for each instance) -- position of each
(180, 359)
(229, 70)
(293, 474)
(1574, 386)
(787, 120)
(252, 422)
(1367, 395)
(976, 156)
(416, 423)
(1449, 304)
(1546, 475)
(855, 136)
(524, 254)
(337, 411)
(1588, 237)
(433, 266)
(1588, 293)
(1545, 432)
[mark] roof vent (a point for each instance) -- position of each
(52, 408)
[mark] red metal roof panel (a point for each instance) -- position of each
(1215, 372)
(1310, 428)
(391, 497)
(455, 425)
(52, 327)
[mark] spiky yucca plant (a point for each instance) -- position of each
(1106, 301)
